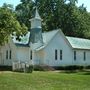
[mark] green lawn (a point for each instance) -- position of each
(44, 81)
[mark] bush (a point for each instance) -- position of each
(59, 67)
(75, 67)
(71, 68)
(29, 69)
(81, 67)
(5, 68)
(38, 68)
(43, 68)
(87, 67)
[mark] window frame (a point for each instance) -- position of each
(10, 54)
(75, 55)
(84, 53)
(6, 54)
(31, 55)
(56, 54)
(61, 52)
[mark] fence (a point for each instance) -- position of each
(22, 66)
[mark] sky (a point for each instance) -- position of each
(15, 2)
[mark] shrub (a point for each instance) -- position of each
(87, 67)
(70, 68)
(29, 69)
(5, 68)
(43, 68)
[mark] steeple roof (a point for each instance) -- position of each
(37, 16)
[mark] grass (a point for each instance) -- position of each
(44, 81)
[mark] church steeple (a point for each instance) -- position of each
(37, 16)
(36, 21)
(36, 29)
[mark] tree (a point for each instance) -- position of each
(84, 22)
(9, 24)
(24, 12)
(73, 20)
(46, 8)
(73, 1)
(76, 21)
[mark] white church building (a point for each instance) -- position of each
(51, 48)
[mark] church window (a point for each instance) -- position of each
(10, 53)
(7, 54)
(84, 56)
(74, 55)
(31, 55)
(60, 54)
(55, 54)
